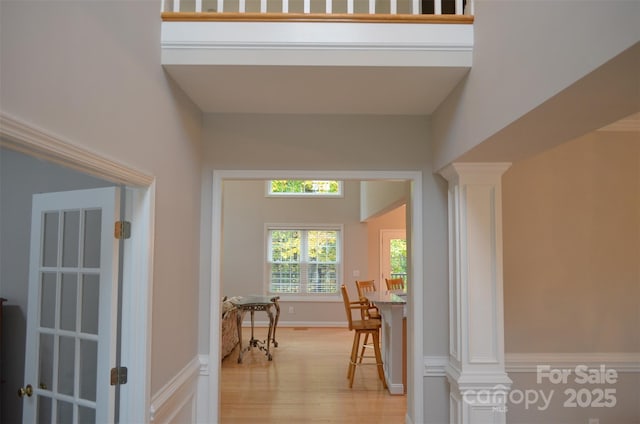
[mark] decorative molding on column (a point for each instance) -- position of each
(476, 366)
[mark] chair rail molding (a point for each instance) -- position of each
(476, 365)
(177, 394)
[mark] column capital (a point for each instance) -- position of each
(474, 171)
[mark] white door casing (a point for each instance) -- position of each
(72, 306)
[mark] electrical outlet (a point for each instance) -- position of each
(594, 420)
(292, 310)
(356, 272)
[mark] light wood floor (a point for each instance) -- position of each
(305, 383)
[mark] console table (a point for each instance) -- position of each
(255, 304)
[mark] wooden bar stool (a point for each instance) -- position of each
(360, 327)
(366, 289)
(394, 284)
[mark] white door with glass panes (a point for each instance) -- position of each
(72, 303)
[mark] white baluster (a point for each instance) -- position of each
(415, 7)
(220, 6)
(350, 7)
(437, 7)
(471, 5)
(459, 6)
(263, 6)
(372, 7)
(241, 6)
(328, 9)
(307, 6)
(176, 5)
(198, 6)
(285, 6)
(393, 7)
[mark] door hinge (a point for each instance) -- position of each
(122, 230)
(118, 376)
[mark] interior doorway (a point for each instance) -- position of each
(414, 300)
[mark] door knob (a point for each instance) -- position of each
(25, 391)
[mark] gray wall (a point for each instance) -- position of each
(526, 53)
(90, 73)
(294, 142)
(22, 176)
(246, 210)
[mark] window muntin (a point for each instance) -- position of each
(303, 261)
(315, 188)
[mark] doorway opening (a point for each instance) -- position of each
(414, 270)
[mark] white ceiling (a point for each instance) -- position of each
(317, 90)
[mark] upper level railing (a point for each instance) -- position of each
(372, 10)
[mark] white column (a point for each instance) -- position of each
(476, 368)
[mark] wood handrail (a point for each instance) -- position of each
(314, 17)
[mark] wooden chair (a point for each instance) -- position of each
(394, 284)
(367, 288)
(362, 326)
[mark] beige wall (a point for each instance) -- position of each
(572, 247)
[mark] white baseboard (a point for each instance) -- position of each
(177, 394)
(288, 324)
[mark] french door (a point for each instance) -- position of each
(72, 308)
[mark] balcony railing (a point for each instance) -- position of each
(306, 10)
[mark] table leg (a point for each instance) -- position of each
(275, 324)
(239, 317)
(269, 334)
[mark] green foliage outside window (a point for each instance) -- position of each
(304, 187)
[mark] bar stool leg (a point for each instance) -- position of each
(376, 347)
(354, 357)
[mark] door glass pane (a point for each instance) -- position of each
(68, 301)
(91, 251)
(66, 361)
(88, 369)
(65, 413)
(70, 233)
(45, 359)
(48, 300)
(90, 303)
(50, 239)
(44, 410)
(86, 415)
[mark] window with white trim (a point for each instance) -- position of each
(294, 188)
(303, 260)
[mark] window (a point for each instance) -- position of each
(318, 188)
(303, 261)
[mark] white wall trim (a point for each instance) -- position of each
(628, 362)
(172, 398)
(291, 324)
(620, 361)
(435, 366)
(28, 139)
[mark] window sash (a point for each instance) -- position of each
(307, 262)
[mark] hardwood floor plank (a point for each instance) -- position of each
(305, 383)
